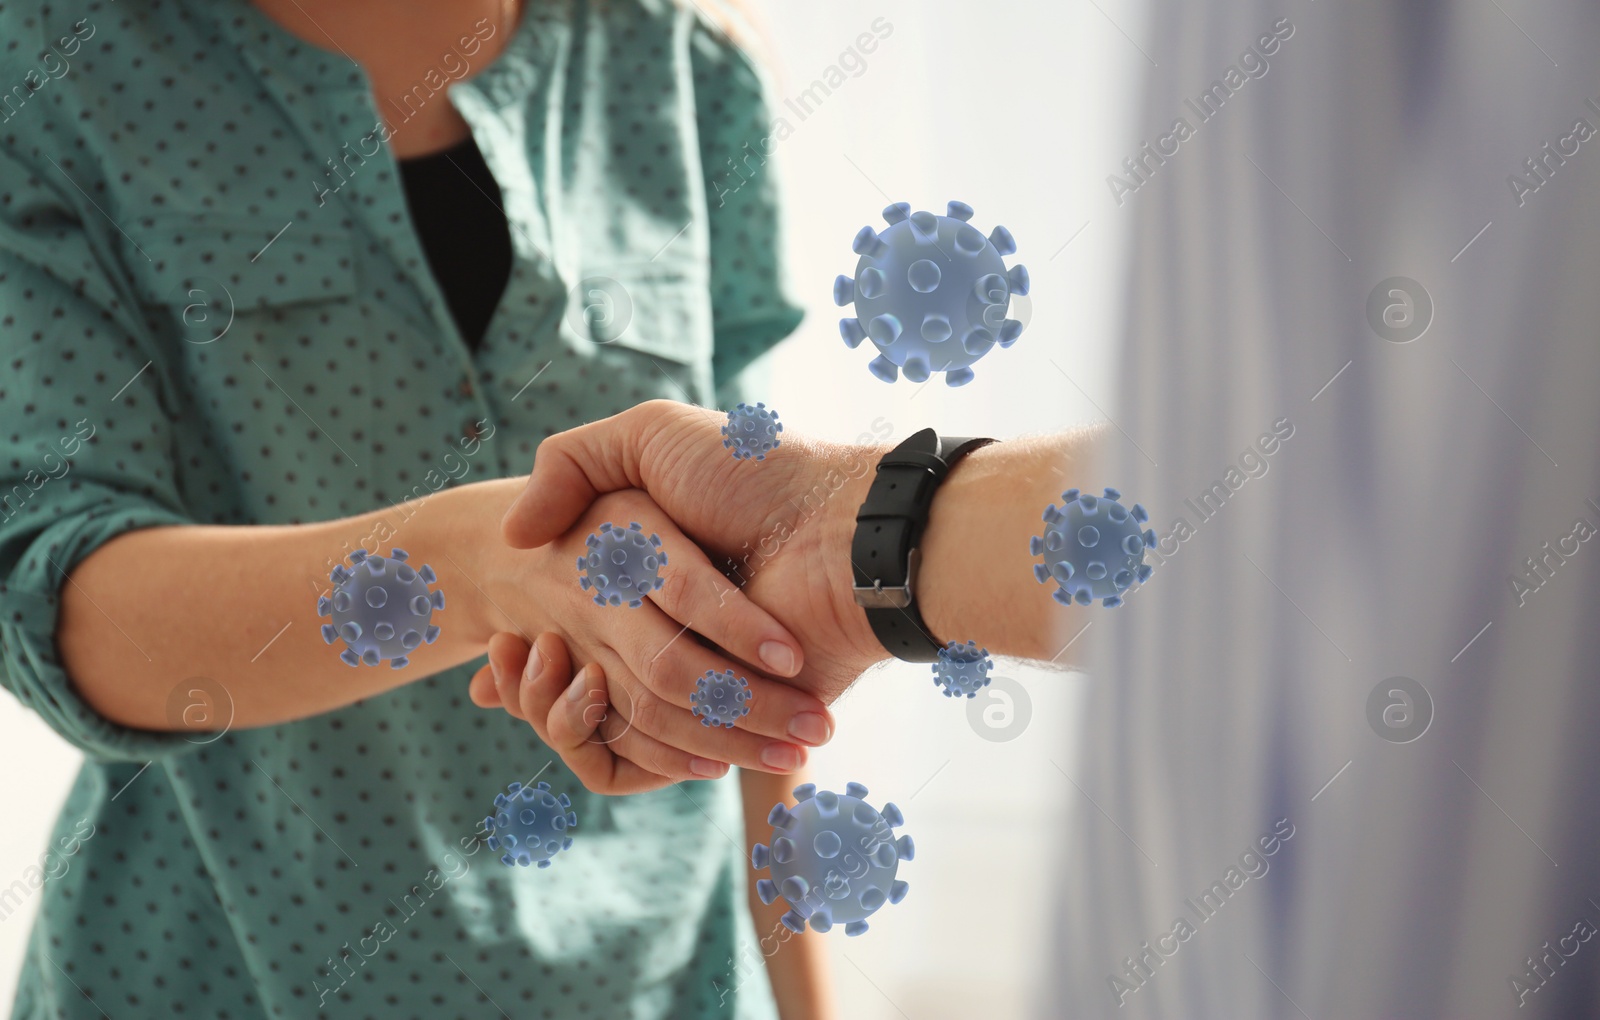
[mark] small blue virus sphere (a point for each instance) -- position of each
(962, 669)
(381, 609)
(931, 292)
(622, 565)
(833, 858)
(720, 699)
(751, 432)
(1092, 548)
(530, 824)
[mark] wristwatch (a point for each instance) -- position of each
(889, 526)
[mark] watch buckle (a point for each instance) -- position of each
(876, 596)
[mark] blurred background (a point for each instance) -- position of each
(980, 782)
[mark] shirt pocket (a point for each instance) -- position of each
(198, 272)
(658, 311)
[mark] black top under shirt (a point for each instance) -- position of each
(455, 204)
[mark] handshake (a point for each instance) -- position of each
(757, 578)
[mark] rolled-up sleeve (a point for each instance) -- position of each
(752, 305)
(87, 444)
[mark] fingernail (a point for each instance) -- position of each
(535, 667)
(810, 728)
(783, 757)
(580, 683)
(778, 656)
(707, 768)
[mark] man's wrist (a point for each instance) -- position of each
(858, 465)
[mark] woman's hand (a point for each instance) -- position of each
(643, 661)
(783, 524)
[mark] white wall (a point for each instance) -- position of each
(1014, 107)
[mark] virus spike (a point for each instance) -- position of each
(884, 369)
(1002, 240)
(963, 212)
(916, 368)
(852, 332)
(936, 328)
(1017, 280)
(766, 889)
(969, 242)
(855, 928)
(844, 291)
(896, 213)
(855, 790)
(898, 890)
(1010, 329)
(867, 243)
(958, 376)
(978, 341)
(885, 329)
(924, 227)
(923, 276)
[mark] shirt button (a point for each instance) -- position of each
(465, 389)
(469, 431)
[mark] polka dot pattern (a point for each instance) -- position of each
(214, 309)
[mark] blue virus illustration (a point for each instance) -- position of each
(751, 432)
(931, 292)
(721, 699)
(530, 824)
(1092, 548)
(963, 669)
(622, 566)
(833, 858)
(381, 609)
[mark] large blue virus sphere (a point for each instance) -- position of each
(1092, 548)
(720, 699)
(963, 669)
(833, 859)
(931, 292)
(622, 565)
(530, 824)
(381, 609)
(751, 432)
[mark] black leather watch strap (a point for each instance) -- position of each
(889, 529)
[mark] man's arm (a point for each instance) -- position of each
(783, 527)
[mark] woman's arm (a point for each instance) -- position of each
(152, 609)
(797, 965)
(238, 605)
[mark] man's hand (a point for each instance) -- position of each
(780, 528)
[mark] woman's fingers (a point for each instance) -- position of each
(698, 596)
(574, 725)
(507, 654)
(544, 680)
